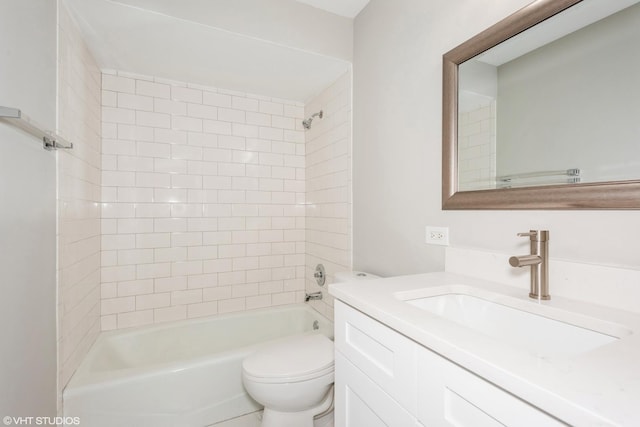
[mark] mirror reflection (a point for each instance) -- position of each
(556, 104)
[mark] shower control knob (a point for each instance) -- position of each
(320, 275)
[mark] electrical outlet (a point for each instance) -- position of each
(437, 235)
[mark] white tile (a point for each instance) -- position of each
(153, 240)
(232, 142)
(170, 107)
(231, 305)
(163, 225)
(217, 265)
(271, 108)
(245, 104)
(190, 296)
(190, 124)
(167, 284)
(271, 133)
(202, 111)
(216, 182)
(186, 268)
(202, 309)
(258, 301)
(135, 287)
(216, 237)
(186, 94)
(217, 293)
(135, 102)
(135, 133)
(149, 271)
(283, 122)
(157, 120)
(258, 119)
(118, 84)
(186, 181)
(118, 305)
(109, 98)
(170, 136)
(186, 152)
(199, 253)
(202, 139)
(156, 90)
(170, 314)
(136, 318)
(152, 149)
(246, 131)
(169, 195)
(118, 115)
(216, 99)
(172, 254)
(135, 256)
(174, 166)
(145, 302)
(230, 115)
(217, 127)
(153, 180)
(231, 169)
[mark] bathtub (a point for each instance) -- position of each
(180, 374)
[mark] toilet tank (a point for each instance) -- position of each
(352, 276)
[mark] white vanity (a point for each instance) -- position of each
(445, 350)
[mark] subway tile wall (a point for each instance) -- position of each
(203, 195)
(79, 192)
(328, 185)
(477, 148)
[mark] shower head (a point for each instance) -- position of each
(307, 123)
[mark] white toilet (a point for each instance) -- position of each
(293, 378)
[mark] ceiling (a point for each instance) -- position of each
(290, 49)
(346, 8)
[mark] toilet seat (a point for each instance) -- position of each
(300, 358)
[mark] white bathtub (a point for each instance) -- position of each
(180, 374)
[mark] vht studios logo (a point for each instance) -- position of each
(41, 421)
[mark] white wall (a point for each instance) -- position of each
(203, 201)
(328, 188)
(397, 150)
(284, 22)
(595, 90)
(79, 81)
(27, 212)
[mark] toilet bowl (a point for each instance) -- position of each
(293, 379)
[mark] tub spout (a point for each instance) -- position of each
(312, 296)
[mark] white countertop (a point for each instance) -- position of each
(599, 387)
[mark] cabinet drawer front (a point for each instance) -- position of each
(360, 402)
(449, 395)
(384, 355)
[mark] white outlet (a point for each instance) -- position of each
(437, 235)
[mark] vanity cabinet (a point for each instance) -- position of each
(385, 379)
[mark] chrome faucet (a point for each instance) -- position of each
(538, 260)
(312, 296)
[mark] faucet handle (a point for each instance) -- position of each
(537, 235)
(532, 233)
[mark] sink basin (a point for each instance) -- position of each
(543, 336)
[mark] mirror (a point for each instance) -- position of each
(542, 110)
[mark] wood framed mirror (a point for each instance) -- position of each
(582, 179)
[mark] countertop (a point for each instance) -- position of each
(599, 387)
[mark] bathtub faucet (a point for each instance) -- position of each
(312, 296)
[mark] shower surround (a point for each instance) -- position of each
(203, 201)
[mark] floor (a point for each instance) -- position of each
(253, 420)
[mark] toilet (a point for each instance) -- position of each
(293, 378)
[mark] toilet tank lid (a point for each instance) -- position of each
(349, 276)
(293, 357)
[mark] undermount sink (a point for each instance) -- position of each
(538, 334)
